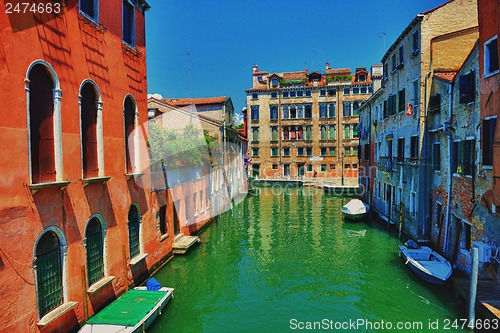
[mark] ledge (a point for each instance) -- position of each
(37, 187)
(134, 174)
(56, 313)
(86, 181)
(99, 284)
(164, 237)
(137, 259)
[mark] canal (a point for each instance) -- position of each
(284, 259)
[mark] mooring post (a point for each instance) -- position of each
(473, 287)
(400, 218)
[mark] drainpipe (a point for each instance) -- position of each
(450, 175)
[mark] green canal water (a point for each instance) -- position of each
(284, 259)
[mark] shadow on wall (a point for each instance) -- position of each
(55, 208)
(101, 299)
(99, 201)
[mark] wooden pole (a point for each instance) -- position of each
(125, 268)
(400, 217)
(84, 294)
(473, 287)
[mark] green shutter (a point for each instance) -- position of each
(49, 273)
(133, 231)
(95, 263)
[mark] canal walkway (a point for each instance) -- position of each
(487, 297)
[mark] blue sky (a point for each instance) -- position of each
(204, 48)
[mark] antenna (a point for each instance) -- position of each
(190, 82)
(382, 35)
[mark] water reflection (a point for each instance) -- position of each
(285, 254)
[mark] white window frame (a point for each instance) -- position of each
(56, 100)
(133, 29)
(96, 11)
(487, 57)
(100, 136)
(136, 159)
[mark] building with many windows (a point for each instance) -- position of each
(305, 122)
(435, 40)
(76, 226)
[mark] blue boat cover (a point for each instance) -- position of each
(153, 284)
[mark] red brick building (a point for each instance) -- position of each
(76, 227)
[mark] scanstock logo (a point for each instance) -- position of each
(197, 162)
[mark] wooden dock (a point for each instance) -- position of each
(487, 298)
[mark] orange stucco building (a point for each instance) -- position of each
(76, 226)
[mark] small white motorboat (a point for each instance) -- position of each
(426, 263)
(355, 209)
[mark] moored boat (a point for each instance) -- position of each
(355, 209)
(133, 312)
(426, 263)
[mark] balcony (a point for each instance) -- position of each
(386, 163)
(413, 161)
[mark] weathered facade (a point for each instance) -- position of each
(367, 125)
(301, 122)
(453, 122)
(76, 226)
(401, 188)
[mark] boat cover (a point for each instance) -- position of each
(129, 309)
(355, 206)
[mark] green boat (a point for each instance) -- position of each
(133, 312)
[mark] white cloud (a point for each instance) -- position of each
(238, 119)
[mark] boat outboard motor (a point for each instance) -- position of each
(411, 244)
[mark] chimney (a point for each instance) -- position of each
(306, 71)
(255, 68)
(327, 66)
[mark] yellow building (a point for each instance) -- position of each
(306, 123)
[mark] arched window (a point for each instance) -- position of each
(49, 272)
(332, 132)
(300, 133)
(41, 117)
(323, 133)
(133, 231)
(293, 112)
(300, 111)
(308, 133)
(355, 107)
(293, 133)
(286, 114)
(308, 113)
(322, 110)
(274, 112)
(131, 157)
(274, 133)
(89, 139)
(331, 110)
(286, 133)
(94, 243)
(347, 132)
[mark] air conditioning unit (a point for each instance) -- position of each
(484, 251)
